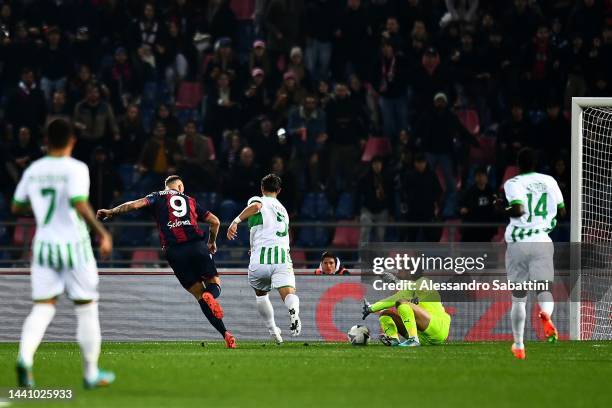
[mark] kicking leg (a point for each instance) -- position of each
(266, 311)
(518, 315)
(198, 292)
(89, 339)
(292, 301)
(391, 325)
(33, 330)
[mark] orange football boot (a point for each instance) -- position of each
(550, 331)
(230, 340)
(518, 353)
(215, 307)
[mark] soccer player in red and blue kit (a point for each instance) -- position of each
(182, 241)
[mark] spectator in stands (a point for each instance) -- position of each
(290, 94)
(26, 106)
(95, 122)
(21, 153)
(513, 134)
(245, 178)
(421, 196)
(222, 108)
(197, 159)
(220, 19)
(586, 17)
(375, 199)
(330, 265)
(307, 127)
(562, 175)
(257, 98)
(20, 51)
(477, 206)
(520, 22)
(119, 80)
(59, 106)
(223, 62)
(258, 58)
(392, 85)
(430, 79)
(319, 21)
(158, 157)
(106, 185)
(263, 139)
(437, 130)
(282, 22)
(298, 67)
(230, 150)
(177, 52)
(324, 94)
(353, 41)
(164, 114)
(55, 62)
(553, 135)
(133, 137)
(346, 125)
(146, 30)
(289, 186)
(77, 87)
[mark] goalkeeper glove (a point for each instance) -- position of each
(367, 309)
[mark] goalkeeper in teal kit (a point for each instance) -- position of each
(418, 315)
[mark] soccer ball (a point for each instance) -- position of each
(358, 335)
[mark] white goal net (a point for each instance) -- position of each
(592, 217)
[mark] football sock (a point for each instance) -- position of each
(33, 330)
(213, 289)
(293, 302)
(546, 302)
(266, 311)
(517, 315)
(388, 326)
(217, 323)
(407, 315)
(89, 337)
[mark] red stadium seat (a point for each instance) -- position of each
(469, 119)
(143, 258)
(451, 233)
(346, 237)
(189, 95)
(24, 232)
(376, 146)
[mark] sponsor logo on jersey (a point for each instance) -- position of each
(178, 223)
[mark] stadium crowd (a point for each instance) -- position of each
(412, 110)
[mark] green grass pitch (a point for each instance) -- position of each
(188, 374)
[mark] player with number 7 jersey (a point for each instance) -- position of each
(182, 240)
(270, 266)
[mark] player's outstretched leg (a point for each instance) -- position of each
(389, 335)
(292, 301)
(89, 338)
(266, 311)
(33, 330)
(212, 291)
(518, 315)
(547, 305)
(405, 311)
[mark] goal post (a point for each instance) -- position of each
(591, 219)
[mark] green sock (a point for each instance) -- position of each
(388, 326)
(407, 315)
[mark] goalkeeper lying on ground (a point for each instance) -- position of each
(418, 315)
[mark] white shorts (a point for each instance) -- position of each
(79, 284)
(530, 261)
(266, 277)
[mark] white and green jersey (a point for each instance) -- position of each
(540, 196)
(51, 186)
(269, 232)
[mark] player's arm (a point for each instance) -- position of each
(514, 194)
(214, 223)
(250, 210)
(83, 208)
(21, 203)
(20, 207)
(124, 208)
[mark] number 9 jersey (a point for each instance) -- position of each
(540, 196)
(269, 232)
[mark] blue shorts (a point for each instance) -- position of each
(191, 262)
